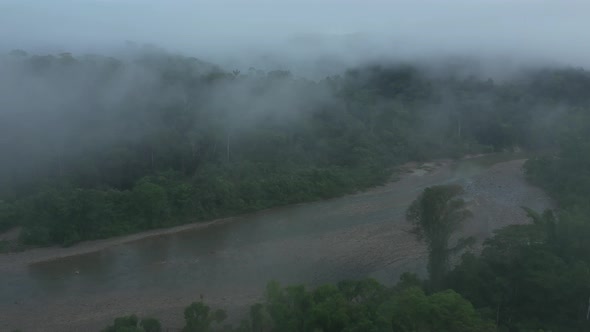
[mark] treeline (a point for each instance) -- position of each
(533, 277)
(360, 306)
(565, 174)
(527, 278)
(96, 146)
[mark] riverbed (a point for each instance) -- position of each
(229, 262)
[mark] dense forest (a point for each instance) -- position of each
(527, 278)
(98, 146)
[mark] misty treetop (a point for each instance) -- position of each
(97, 146)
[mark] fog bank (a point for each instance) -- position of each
(311, 36)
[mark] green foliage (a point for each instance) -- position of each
(529, 277)
(151, 325)
(195, 142)
(548, 262)
(516, 284)
(362, 305)
(67, 215)
(199, 317)
(7, 216)
(436, 215)
(446, 311)
(357, 306)
(133, 324)
(566, 174)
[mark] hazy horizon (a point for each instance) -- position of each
(283, 33)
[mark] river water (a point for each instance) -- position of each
(229, 263)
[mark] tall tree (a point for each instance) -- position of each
(413, 311)
(435, 215)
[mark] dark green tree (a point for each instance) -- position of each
(436, 215)
(151, 325)
(445, 311)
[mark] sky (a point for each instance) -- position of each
(243, 32)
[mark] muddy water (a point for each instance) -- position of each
(229, 264)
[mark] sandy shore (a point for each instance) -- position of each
(20, 260)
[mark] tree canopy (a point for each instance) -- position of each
(436, 215)
(111, 146)
(96, 146)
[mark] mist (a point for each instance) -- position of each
(312, 38)
(246, 140)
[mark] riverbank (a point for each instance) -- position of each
(230, 261)
(21, 259)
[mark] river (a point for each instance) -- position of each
(230, 262)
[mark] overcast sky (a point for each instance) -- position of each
(556, 30)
